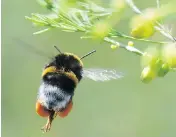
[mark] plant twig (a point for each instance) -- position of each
(128, 48)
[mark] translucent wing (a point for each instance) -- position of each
(98, 74)
(32, 49)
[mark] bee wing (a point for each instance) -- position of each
(98, 74)
(32, 49)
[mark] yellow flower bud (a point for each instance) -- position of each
(147, 74)
(114, 46)
(143, 25)
(169, 54)
(130, 43)
(143, 30)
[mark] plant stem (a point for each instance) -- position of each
(117, 34)
(128, 48)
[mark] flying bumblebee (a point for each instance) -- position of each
(59, 80)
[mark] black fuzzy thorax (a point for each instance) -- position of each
(69, 63)
(61, 81)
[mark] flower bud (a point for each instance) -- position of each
(143, 25)
(148, 74)
(130, 43)
(113, 47)
(142, 30)
(163, 70)
(158, 64)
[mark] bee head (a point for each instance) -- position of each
(67, 62)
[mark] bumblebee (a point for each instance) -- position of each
(59, 80)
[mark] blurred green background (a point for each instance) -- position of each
(118, 108)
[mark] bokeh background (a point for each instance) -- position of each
(118, 108)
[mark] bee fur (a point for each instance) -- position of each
(59, 80)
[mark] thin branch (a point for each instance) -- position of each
(117, 34)
(128, 48)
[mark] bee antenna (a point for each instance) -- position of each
(88, 54)
(58, 49)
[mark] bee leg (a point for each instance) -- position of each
(47, 127)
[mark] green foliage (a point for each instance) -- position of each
(97, 23)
